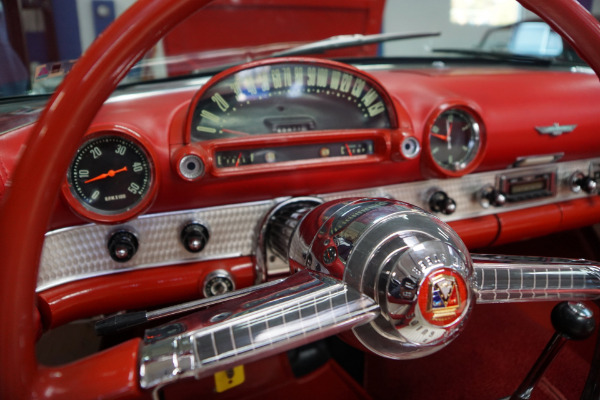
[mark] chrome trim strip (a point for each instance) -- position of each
(508, 279)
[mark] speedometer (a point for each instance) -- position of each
(288, 97)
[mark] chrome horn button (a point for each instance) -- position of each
(411, 263)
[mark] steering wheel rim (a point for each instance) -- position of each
(61, 126)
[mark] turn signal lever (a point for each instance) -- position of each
(571, 321)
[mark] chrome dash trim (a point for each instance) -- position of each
(75, 253)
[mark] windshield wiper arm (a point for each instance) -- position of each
(341, 41)
(496, 55)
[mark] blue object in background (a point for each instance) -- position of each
(104, 15)
(66, 22)
(14, 77)
(586, 3)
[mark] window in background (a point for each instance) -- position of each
(484, 12)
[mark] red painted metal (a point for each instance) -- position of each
(417, 97)
(109, 374)
(70, 112)
(517, 225)
(477, 232)
(136, 290)
(581, 212)
(252, 23)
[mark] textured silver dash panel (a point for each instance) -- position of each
(464, 190)
(74, 253)
(80, 252)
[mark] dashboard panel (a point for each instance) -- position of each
(467, 155)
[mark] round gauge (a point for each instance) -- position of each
(110, 176)
(454, 139)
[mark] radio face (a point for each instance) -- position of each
(518, 188)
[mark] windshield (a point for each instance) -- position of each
(39, 46)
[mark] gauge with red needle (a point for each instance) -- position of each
(110, 175)
(454, 139)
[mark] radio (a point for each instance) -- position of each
(521, 187)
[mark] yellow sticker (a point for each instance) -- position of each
(226, 380)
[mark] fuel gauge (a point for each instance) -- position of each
(246, 157)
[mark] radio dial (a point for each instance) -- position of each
(439, 201)
(580, 181)
(490, 196)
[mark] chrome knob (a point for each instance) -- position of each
(579, 181)
(439, 201)
(490, 196)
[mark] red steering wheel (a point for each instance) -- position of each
(27, 205)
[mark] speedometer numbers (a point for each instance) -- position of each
(285, 97)
(110, 179)
(455, 141)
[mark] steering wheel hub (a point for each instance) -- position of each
(411, 263)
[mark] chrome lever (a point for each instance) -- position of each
(300, 309)
(502, 279)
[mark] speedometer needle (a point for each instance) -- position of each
(232, 132)
(109, 174)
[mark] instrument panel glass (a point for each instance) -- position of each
(288, 98)
(238, 158)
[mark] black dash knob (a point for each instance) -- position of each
(490, 196)
(573, 320)
(194, 237)
(122, 246)
(441, 202)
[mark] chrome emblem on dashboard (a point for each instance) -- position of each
(555, 129)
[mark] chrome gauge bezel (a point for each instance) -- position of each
(444, 156)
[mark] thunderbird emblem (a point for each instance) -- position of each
(555, 129)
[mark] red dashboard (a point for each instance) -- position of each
(172, 188)
(190, 157)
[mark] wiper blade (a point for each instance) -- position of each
(522, 58)
(341, 41)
